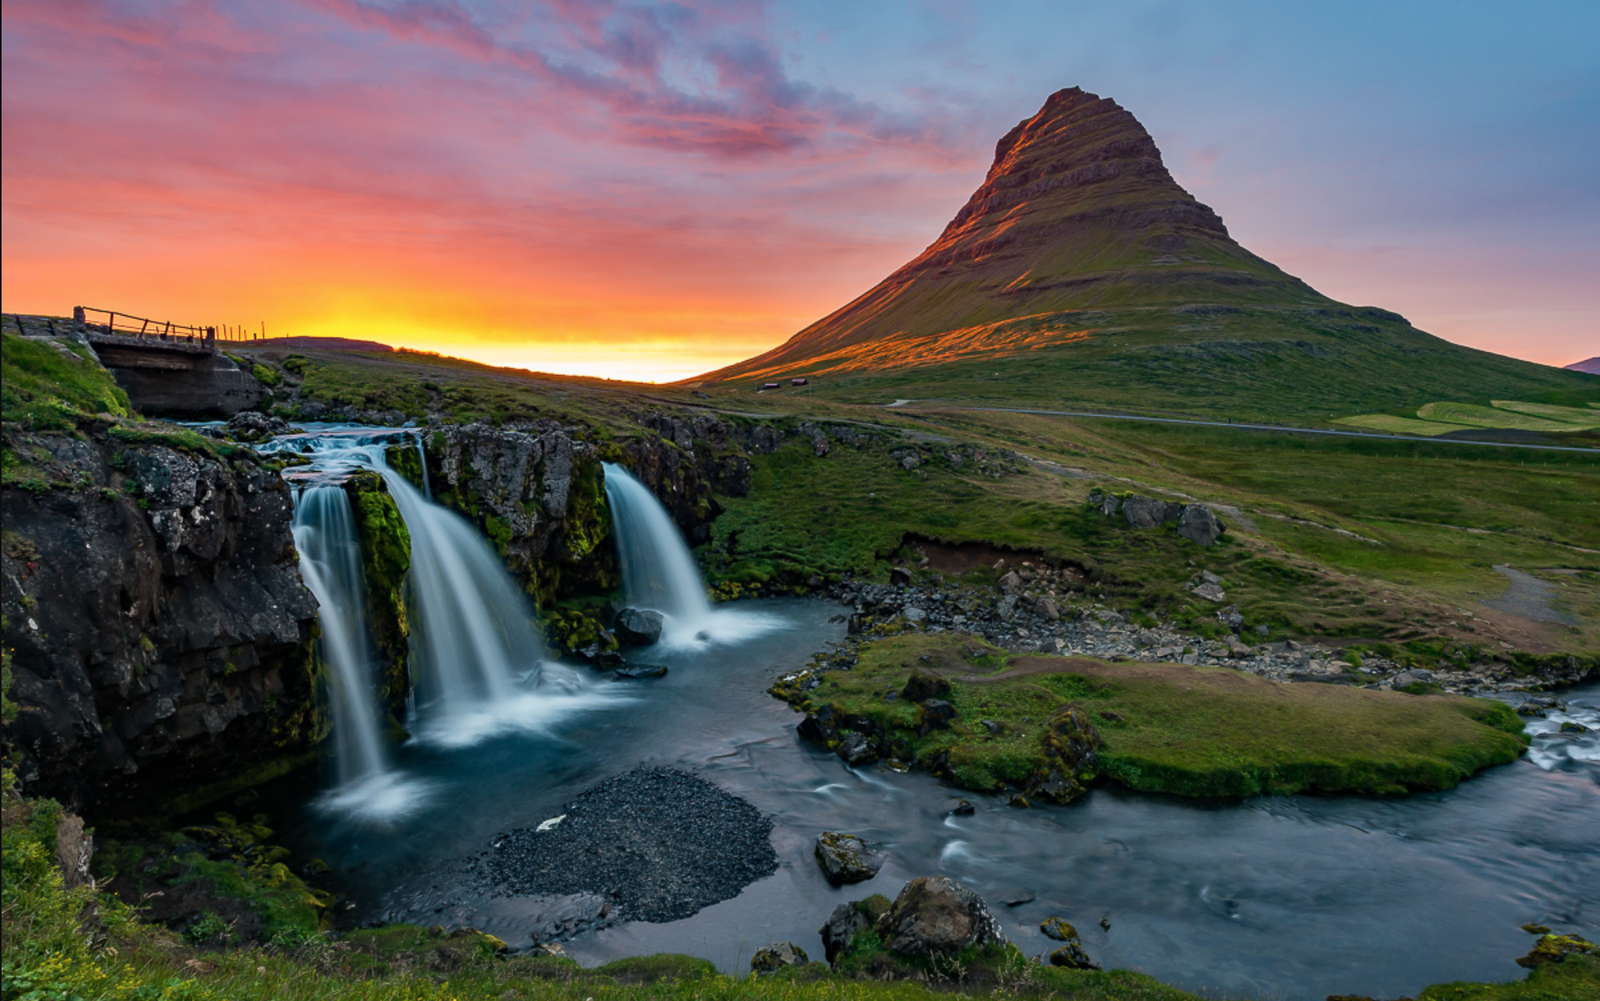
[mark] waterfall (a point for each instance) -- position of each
(472, 634)
(330, 563)
(659, 573)
(478, 664)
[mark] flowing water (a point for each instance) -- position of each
(1272, 897)
(659, 573)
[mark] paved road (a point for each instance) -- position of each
(1275, 427)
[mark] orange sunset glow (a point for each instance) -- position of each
(649, 192)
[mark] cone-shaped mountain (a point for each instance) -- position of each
(1080, 246)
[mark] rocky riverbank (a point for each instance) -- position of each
(1039, 608)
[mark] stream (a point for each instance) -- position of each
(1278, 897)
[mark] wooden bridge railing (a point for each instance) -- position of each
(108, 322)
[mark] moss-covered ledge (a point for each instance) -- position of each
(385, 562)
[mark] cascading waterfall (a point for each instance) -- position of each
(330, 563)
(478, 664)
(659, 573)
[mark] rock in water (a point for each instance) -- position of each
(774, 957)
(1071, 954)
(639, 626)
(934, 917)
(846, 858)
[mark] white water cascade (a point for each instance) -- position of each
(330, 563)
(659, 573)
(478, 664)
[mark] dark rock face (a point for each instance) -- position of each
(539, 493)
(846, 858)
(639, 626)
(922, 686)
(160, 644)
(934, 917)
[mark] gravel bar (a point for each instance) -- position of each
(659, 843)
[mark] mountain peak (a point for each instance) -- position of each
(1077, 212)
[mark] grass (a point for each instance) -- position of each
(47, 386)
(1189, 731)
(1473, 415)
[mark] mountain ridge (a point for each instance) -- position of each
(1080, 270)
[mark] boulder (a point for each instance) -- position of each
(934, 714)
(1210, 592)
(846, 858)
(1071, 745)
(774, 957)
(1011, 583)
(638, 626)
(846, 921)
(1147, 512)
(922, 686)
(855, 749)
(934, 917)
(1199, 525)
(899, 577)
(961, 808)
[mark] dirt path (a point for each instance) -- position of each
(1528, 596)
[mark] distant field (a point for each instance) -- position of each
(1474, 415)
(1514, 415)
(1398, 425)
(1570, 415)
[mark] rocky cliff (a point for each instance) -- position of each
(160, 636)
(538, 491)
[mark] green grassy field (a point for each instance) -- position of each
(1190, 731)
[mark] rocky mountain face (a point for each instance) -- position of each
(160, 636)
(1077, 213)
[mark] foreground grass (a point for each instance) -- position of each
(1191, 731)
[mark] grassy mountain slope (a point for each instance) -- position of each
(1081, 274)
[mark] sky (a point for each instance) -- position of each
(653, 190)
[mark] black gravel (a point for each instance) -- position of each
(659, 843)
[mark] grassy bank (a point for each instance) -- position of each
(1191, 731)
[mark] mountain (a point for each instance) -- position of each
(1081, 272)
(1590, 365)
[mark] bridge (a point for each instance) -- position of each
(167, 369)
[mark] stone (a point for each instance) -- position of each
(934, 917)
(961, 808)
(855, 749)
(1199, 525)
(915, 616)
(1006, 607)
(934, 714)
(1230, 616)
(899, 577)
(639, 671)
(1210, 592)
(846, 921)
(1019, 898)
(846, 858)
(1049, 609)
(639, 626)
(1147, 512)
(922, 686)
(1071, 954)
(772, 958)
(1011, 583)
